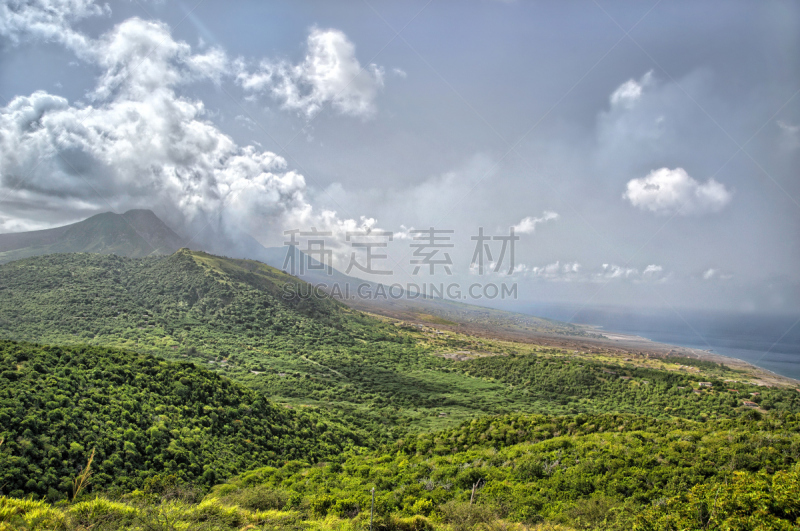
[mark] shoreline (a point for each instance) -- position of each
(523, 328)
(762, 374)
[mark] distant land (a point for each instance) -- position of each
(140, 233)
(135, 233)
(770, 341)
(198, 394)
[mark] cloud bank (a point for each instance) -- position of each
(575, 272)
(49, 20)
(139, 143)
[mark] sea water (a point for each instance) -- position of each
(768, 341)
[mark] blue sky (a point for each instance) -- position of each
(646, 152)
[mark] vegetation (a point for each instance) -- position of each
(582, 386)
(585, 470)
(234, 316)
(579, 472)
(198, 392)
(137, 416)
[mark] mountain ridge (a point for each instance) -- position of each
(135, 234)
(140, 233)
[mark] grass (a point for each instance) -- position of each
(214, 514)
(525, 473)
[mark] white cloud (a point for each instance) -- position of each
(156, 151)
(574, 272)
(712, 274)
(329, 74)
(652, 269)
(137, 55)
(554, 272)
(213, 64)
(614, 271)
(630, 92)
(666, 191)
(140, 57)
(528, 225)
(404, 233)
(399, 72)
(139, 144)
(49, 20)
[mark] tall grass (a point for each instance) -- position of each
(83, 478)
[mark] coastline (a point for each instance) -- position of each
(584, 338)
(763, 376)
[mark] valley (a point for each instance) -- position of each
(252, 377)
(208, 391)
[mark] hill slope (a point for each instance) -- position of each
(230, 315)
(520, 473)
(449, 314)
(235, 317)
(587, 471)
(188, 299)
(135, 233)
(144, 416)
(140, 233)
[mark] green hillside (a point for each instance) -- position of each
(189, 299)
(140, 233)
(135, 233)
(226, 368)
(231, 315)
(513, 472)
(143, 416)
(234, 316)
(610, 471)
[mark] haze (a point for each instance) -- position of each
(646, 153)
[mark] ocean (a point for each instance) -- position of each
(768, 341)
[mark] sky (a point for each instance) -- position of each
(644, 153)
